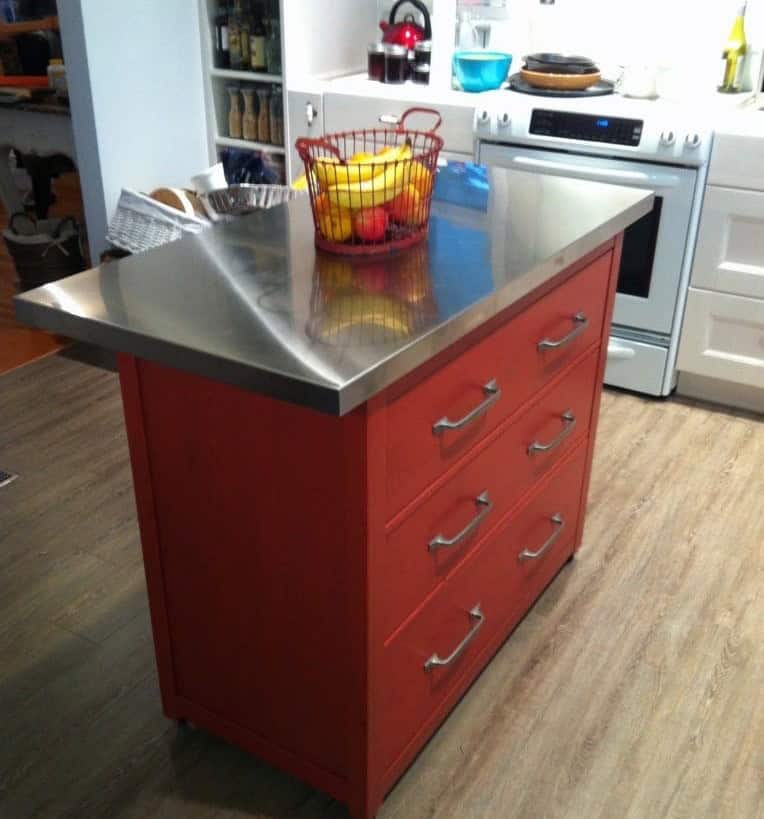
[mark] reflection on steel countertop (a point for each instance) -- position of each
(252, 303)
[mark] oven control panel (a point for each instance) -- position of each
(569, 125)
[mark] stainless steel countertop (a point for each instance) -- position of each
(254, 304)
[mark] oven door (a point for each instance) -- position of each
(653, 248)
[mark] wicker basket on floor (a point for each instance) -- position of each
(43, 251)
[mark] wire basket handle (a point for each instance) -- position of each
(409, 111)
(303, 146)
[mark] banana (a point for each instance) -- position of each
(330, 172)
(375, 191)
(360, 167)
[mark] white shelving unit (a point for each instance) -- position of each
(216, 82)
(246, 76)
(267, 147)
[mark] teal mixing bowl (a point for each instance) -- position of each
(481, 70)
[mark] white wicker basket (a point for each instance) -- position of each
(142, 223)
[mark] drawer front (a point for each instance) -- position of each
(434, 654)
(633, 365)
(348, 112)
(434, 539)
(737, 160)
(729, 256)
(489, 382)
(723, 337)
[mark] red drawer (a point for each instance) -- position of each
(489, 382)
(435, 652)
(474, 500)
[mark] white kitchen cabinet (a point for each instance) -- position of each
(729, 256)
(305, 114)
(737, 159)
(723, 338)
(721, 350)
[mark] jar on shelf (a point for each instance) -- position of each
(234, 112)
(249, 119)
(257, 41)
(234, 36)
(423, 52)
(376, 61)
(273, 47)
(396, 63)
(263, 115)
(277, 116)
(421, 74)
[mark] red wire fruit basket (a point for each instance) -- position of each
(371, 190)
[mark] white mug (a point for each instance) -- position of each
(637, 81)
(213, 179)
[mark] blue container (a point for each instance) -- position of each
(481, 70)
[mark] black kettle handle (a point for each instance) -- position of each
(421, 8)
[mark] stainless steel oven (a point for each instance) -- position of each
(632, 150)
(653, 248)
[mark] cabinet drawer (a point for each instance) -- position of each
(489, 382)
(723, 337)
(729, 256)
(348, 112)
(474, 500)
(435, 652)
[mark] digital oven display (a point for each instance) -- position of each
(589, 127)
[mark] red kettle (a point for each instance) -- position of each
(407, 33)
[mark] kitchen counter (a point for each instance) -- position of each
(325, 586)
(253, 304)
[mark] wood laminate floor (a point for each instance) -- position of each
(634, 689)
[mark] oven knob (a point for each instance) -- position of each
(504, 120)
(693, 140)
(482, 117)
(668, 138)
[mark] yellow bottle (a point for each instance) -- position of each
(734, 54)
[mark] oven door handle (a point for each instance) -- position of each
(650, 180)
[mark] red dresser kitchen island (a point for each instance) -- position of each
(324, 586)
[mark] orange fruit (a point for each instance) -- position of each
(334, 223)
(421, 178)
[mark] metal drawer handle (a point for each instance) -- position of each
(581, 322)
(440, 542)
(569, 424)
(436, 661)
(493, 393)
(559, 524)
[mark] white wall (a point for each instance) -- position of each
(684, 35)
(137, 99)
(327, 38)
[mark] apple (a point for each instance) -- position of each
(370, 224)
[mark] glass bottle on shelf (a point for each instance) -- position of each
(245, 29)
(222, 54)
(249, 120)
(234, 35)
(234, 113)
(277, 116)
(273, 47)
(257, 42)
(263, 115)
